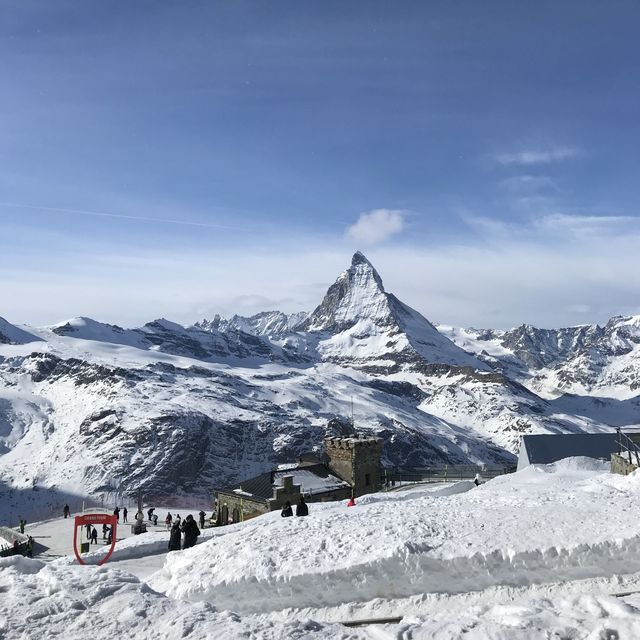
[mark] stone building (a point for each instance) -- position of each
(351, 466)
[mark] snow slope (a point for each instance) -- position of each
(539, 525)
(534, 555)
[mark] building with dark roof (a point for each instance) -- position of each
(352, 467)
(548, 448)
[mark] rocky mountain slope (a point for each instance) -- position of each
(94, 409)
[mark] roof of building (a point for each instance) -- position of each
(314, 478)
(548, 448)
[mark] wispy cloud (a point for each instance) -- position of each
(528, 184)
(535, 156)
(122, 216)
(376, 226)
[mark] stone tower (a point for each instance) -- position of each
(356, 460)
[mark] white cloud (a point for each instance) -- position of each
(528, 184)
(535, 156)
(376, 226)
(555, 270)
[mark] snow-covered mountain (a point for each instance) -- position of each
(92, 408)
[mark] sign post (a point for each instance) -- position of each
(93, 519)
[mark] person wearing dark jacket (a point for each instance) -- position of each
(287, 511)
(116, 513)
(124, 514)
(94, 535)
(202, 515)
(191, 532)
(175, 537)
(301, 508)
(66, 511)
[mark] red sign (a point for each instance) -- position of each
(95, 518)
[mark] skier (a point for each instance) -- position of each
(124, 514)
(287, 511)
(94, 536)
(191, 532)
(301, 508)
(202, 515)
(66, 511)
(174, 538)
(116, 513)
(168, 520)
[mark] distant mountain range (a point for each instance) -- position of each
(91, 408)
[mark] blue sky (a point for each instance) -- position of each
(182, 159)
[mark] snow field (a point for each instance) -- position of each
(541, 525)
(532, 555)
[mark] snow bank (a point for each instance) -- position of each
(520, 529)
(54, 601)
(51, 600)
(576, 463)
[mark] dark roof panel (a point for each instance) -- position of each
(548, 448)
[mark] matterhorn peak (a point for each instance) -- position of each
(357, 294)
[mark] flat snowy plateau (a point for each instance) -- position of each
(536, 554)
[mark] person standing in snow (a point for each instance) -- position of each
(202, 515)
(191, 532)
(287, 511)
(150, 514)
(178, 519)
(168, 520)
(301, 508)
(66, 511)
(22, 525)
(30, 547)
(116, 513)
(88, 528)
(94, 535)
(104, 531)
(110, 535)
(124, 514)
(174, 538)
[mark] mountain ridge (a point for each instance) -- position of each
(180, 410)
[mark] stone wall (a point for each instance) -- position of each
(245, 507)
(357, 461)
(621, 465)
(288, 492)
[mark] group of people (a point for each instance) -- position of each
(302, 509)
(188, 529)
(116, 513)
(17, 549)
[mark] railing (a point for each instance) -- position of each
(392, 478)
(11, 536)
(628, 447)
